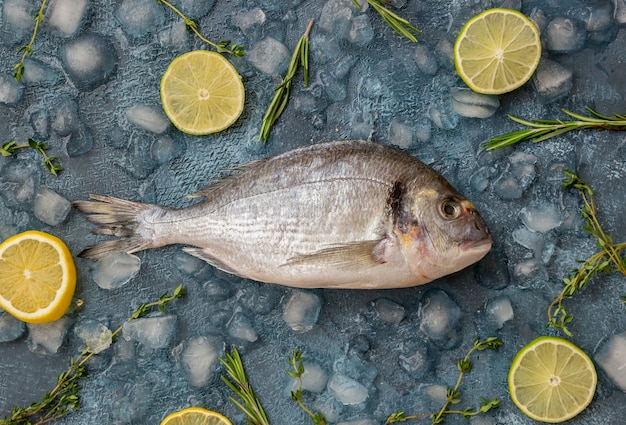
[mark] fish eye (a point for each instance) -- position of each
(450, 209)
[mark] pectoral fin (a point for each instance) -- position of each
(203, 254)
(361, 254)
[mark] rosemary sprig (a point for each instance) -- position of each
(238, 383)
(297, 370)
(27, 51)
(9, 149)
(64, 397)
(541, 129)
(221, 47)
(610, 257)
(300, 56)
(453, 394)
(400, 25)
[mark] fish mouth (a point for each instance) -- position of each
(480, 243)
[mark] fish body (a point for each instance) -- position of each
(342, 214)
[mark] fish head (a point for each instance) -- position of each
(439, 231)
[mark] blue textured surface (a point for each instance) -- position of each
(364, 84)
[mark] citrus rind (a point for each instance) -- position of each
(497, 64)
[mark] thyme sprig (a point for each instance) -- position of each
(238, 383)
(296, 372)
(64, 397)
(464, 366)
(27, 51)
(9, 148)
(400, 25)
(610, 258)
(221, 47)
(299, 57)
(541, 129)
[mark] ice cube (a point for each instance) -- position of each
(359, 422)
(219, 289)
(619, 13)
(10, 90)
(414, 360)
(240, 327)
(400, 134)
(17, 21)
(152, 332)
(175, 36)
(346, 390)
(249, 21)
(50, 207)
(19, 181)
(597, 16)
(507, 187)
(191, 266)
(258, 299)
(10, 327)
(541, 217)
(529, 240)
(147, 118)
(335, 89)
(425, 59)
(552, 80)
(523, 168)
(90, 60)
(302, 311)
(65, 16)
(328, 406)
(80, 141)
(612, 359)
(94, 335)
(139, 17)
(47, 338)
(37, 73)
(468, 103)
(492, 271)
(335, 17)
(440, 318)
(443, 114)
(199, 358)
(40, 123)
(499, 310)
(564, 35)
(64, 117)
(314, 379)
(361, 32)
(269, 56)
(195, 9)
(389, 311)
(164, 149)
(115, 269)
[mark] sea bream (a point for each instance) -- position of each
(342, 214)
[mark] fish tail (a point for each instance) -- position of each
(117, 217)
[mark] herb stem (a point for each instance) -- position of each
(239, 384)
(610, 255)
(27, 51)
(221, 47)
(400, 25)
(541, 129)
(9, 148)
(64, 396)
(300, 56)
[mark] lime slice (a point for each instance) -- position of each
(497, 51)
(202, 93)
(196, 416)
(552, 380)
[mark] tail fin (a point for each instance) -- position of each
(116, 217)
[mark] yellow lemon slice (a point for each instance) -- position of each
(202, 93)
(552, 380)
(497, 51)
(196, 416)
(37, 277)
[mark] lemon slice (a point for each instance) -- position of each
(196, 416)
(202, 93)
(497, 51)
(37, 277)
(552, 380)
